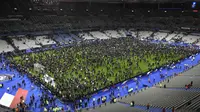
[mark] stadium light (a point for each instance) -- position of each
(132, 11)
(165, 11)
(15, 8)
(193, 5)
(61, 9)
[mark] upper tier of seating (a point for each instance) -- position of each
(99, 35)
(85, 36)
(160, 35)
(170, 36)
(132, 32)
(40, 23)
(64, 39)
(145, 34)
(44, 40)
(122, 32)
(112, 33)
(190, 39)
(23, 42)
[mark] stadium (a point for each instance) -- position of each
(99, 56)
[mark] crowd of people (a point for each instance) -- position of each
(83, 69)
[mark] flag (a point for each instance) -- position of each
(11, 101)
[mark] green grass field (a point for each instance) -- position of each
(93, 67)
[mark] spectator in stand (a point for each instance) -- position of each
(173, 109)
(163, 110)
(148, 106)
(186, 87)
(189, 85)
(132, 103)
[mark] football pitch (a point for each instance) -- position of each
(84, 69)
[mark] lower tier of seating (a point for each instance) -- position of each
(161, 97)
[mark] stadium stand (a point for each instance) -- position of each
(114, 108)
(23, 43)
(86, 36)
(170, 36)
(193, 106)
(161, 97)
(112, 33)
(181, 81)
(75, 37)
(20, 43)
(59, 39)
(184, 79)
(99, 35)
(64, 39)
(145, 34)
(194, 72)
(190, 39)
(122, 32)
(178, 38)
(5, 47)
(159, 35)
(44, 40)
(40, 22)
